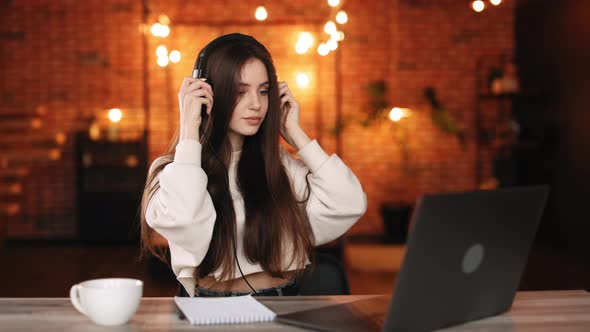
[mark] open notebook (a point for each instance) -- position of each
(223, 310)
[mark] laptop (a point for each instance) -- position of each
(464, 260)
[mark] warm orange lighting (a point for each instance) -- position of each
(302, 80)
(60, 138)
(175, 56)
(115, 115)
(333, 3)
(163, 61)
(165, 20)
(478, 5)
(36, 123)
(495, 2)
(161, 51)
(323, 49)
(261, 13)
(341, 17)
(54, 154)
(330, 27)
(15, 188)
(397, 113)
(304, 43)
(160, 30)
(332, 44)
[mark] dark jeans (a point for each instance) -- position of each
(288, 289)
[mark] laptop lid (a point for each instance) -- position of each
(465, 256)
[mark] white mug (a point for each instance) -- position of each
(109, 301)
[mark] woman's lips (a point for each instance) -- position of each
(253, 120)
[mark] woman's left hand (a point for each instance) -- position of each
(290, 107)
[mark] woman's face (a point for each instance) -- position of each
(252, 100)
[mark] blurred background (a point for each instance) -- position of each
(415, 96)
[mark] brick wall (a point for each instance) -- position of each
(77, 59)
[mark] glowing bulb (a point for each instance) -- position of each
(330, 27)
(115, 115)
(164, 31)
(161, 51)
(323, 49)
(396, 114)
(335, 35)
(306, 39)
(495, 2)
(333, 3)
(302, 80)
(332, 44)
(341, 17)
(304, 43)
(175, 56)
(60, 138)
(160, 30)
(165, 20)
(478, 5)
(155, 29)
(300, 48)
(261, 13)
(54, 154)
(163, 61)
(36, 123)
(340, 36)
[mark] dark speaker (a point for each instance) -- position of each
(111, 177)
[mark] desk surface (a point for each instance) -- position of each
(531, 311)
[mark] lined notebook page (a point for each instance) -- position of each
(223, 310)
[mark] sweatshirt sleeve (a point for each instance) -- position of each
(336, 197)
(182, 211)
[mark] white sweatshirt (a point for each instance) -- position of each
(182, 211)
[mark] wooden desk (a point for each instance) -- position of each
(532, 311)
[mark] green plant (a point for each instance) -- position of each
(442, 118)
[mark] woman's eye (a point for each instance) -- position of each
(264, 92)
(242, 93)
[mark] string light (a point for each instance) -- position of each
(261, 13)
(115, 115)
(323, 49)
(175, 56)
(330, 27)
(341, 17)
(397, 113)
(160, 30)
(304, 43)
(333, 3)
(163, 61)
(478, 5)
(161, 51)
(163, 19)
(495, 2)
(302, 80)
(332, 44)
(335, 36)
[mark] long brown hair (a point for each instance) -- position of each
(275, 221)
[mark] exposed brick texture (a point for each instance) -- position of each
(77, 59)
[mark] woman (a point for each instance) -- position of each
(240, 214)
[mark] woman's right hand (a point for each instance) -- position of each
(193, 94)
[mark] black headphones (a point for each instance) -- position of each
(201, 61)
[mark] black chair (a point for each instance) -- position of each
(327, 278)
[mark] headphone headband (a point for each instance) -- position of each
(201, 61)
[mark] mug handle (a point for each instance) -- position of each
(75, 298)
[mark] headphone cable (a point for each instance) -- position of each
(233, 236)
